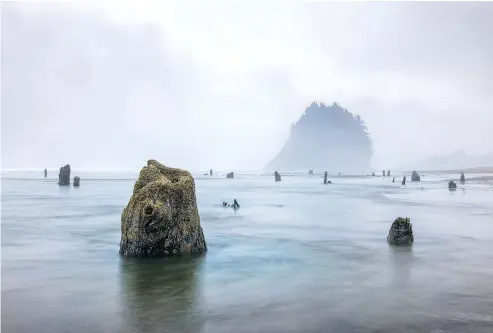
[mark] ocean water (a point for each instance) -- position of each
(298, 256)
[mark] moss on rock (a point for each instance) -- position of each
(161, 218)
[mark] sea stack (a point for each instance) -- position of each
(64, 175)
(345, 139)
(210, 172)
(401, 232)
(388, 173)
(452, 185)
(230, 175)
(76, 181)
(310, 172)
(161, 218)
(325, 177)
(404, 180)
(415, 177)
(277, 176)
(462, 178)
(46, 173)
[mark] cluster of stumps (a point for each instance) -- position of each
(64, 176)
(161, 218)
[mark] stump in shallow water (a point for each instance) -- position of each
(401, 232)
(310, 172)
(462, 178)
(161, 218)
(76, 181)
(277, 176)
(415, 177)
(452, 185)
(64, 175)
(404, 180)
(388, 173)
(325, 177)
(230, 175)
(46, 173)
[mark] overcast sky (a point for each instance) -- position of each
(200, 84)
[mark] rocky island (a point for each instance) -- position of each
(325, 137)
(161, 218)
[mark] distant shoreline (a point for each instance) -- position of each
(483, 169)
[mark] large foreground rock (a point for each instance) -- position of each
(64, 175)
(161, 218)
(401, 232)
(415, 177)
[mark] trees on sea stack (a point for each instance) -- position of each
(326, 137)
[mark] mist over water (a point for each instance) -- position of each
(249, 88)
(105, 85)
(297, 256)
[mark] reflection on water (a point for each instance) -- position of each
(401, 261)
(161, 294)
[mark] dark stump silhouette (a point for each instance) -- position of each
(230, 175)
(388, 173)
(76, 181)
(310, 172)
(277, 176)
(46, 173)
(404, 180)
(452, 185)
(462, 178)
(401, 232)
(210, 172)
(161, 218)
(325, 177)
(383, 173)
(373, 174)
(64, 175)
(415, 177)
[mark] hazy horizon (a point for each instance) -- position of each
(110, 85)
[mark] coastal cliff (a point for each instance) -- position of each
(325, 138)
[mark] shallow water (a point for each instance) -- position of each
(298, 256)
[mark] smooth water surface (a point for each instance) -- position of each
(298, 256)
